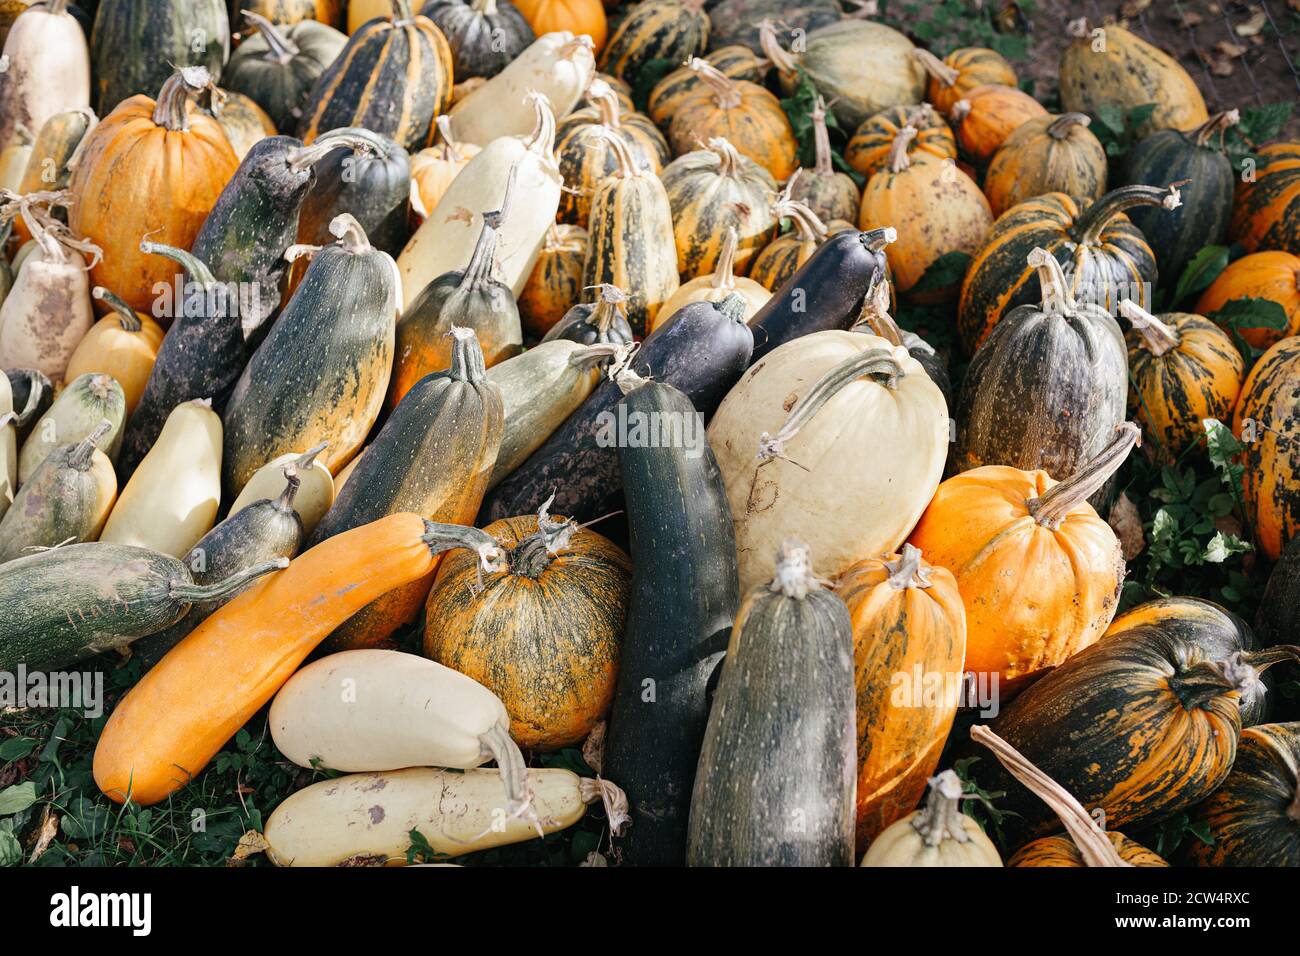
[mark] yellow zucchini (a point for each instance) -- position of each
(8, 446)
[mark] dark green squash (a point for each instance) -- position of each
(434, 457)
(201, 356)
(1048, 387)
(373, 187)
(1197, 162)
(137, 44)
(1278, 618)
(1105, 257)
(736, 21)
(1253, 819)
(277, 66)
(673, 30)
(484, 35)
(263, 531)
(393, 77)
(322, 372)
(69, 603)
(685, 593)
(775, 781)
(603, 322)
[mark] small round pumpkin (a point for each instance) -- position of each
(484, 35)
(935, 208)
(1274, 276)
(672, 30)
(938, 834)
(1267, 420)
(830, 194)
(579, 17)
(434, 167)
(543, 633)
(1047, 154)
(555, 284)
(868, 150)
(733, 62)
(277, 65)
(987, 115)
(603, 322)
(716, 287)
(1185, 369)
(961, 71)
(1266, 212)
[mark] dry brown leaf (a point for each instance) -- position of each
(593, 748)
(250, 844)
(1125, 521)
(1252, 26)
(1232, 50)
(45, 835)
(1189, 18)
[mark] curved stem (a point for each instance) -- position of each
(898, 158)
(304, 157)
(908, 570)
(350, 234)
(191, 263)
(190, 593)
(84, 453)
(126, 316)
(728, 156)
(1060, 127)
(941, 818)
(284, 503)
(876, 239)
(725, 91)
(590, 355)
(534, 554)
(497, 744)
(1056, 294)
(724, 272)
(1218, 123)
(822, 140)
(939, 70)
(279, 47)
(482, 260)
(467, 364)
(875, 314)
(806, 222)
(610, 304)
(625, 163)
(307, 459)
(772, 49)
(542, 139)
(874, 362)
(794, 576)
(610, 796)
(606, 102)
(1088, 227)
(1158, 337)
(1094, 846)
(1051, 508)
(169, 109)
(443, 123)
(440, 538)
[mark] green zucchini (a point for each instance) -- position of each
(69, 603)
(685, 593)
(80, 408)
(777, 775)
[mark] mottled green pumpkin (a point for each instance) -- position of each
(673, 30)
(1047, 154)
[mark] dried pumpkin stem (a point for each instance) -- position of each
(350, 233)
(821, 140)
(726, 94)
(938, 69)
(611, 797)
(724, 271)
(467, 362)
(1051, 508)
(304, 157)
(1089, 226)
(1056, 294)
(1061, 127)
(806, 222)
(203, 593)
(899, 160)
(728, 156)
(402, 12)
(84, 453)
(191, 263)
(440, 538)
(443, 123)
(542, 139)
(497, 744)
(171, 108)
(534, 554)
(307, 459)
(772, 49)
(611, 302)
(941, 817)
(875, 314)
(1218, 123)
(625, 163)
(606, 101)
(593, 354)
(279, 48)
(908, 571)
(284, 503)
(1158, 337)
(126, 316)
(483, 259)
(793, 576)
(1094, 846)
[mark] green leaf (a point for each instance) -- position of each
(1201, 271)
(1251, 314)
(1223, 546)
(11, 851)
(946, 271)
(16, 748)
(17, 798)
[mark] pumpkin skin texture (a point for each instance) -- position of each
(780, 739)
(393, 77)
(148, 168)
(935, 208)
(1279, 610)
(278, 65)
(711, 190)
(1199, 163)
(673, 30)
(939, 834)
(961, 71)
(1271, 483)
(1127, 73)
(1273, 275)
(733, 62)
(136, 44)
(1048, 154)
(484, 35)
(1254, 817)
(1105, 257)
(868, 150)
(1184, 369)
(544, 634)
(579, 17)
(986, 117)
(123, 344)
(906, 614)
(1039, 571)
(241, 119)
(1061, 851)
(434, 168)
(555, 284)
(1047, 388)
(290, 12)
(1266, 213)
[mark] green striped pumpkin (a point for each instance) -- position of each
(1266, 213)
(733, 62)
(673, 30)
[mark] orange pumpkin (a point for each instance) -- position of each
(961, 72)
(433, 168)
(123, 344)
(783, 256)
(555, 284)
(1266, 212)
(576, 16)
(1274, 276)
(152, 168)
(985, 117)
(1047, 154)
(1039, 571)
(868, 150)
(1268, 422)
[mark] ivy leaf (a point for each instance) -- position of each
(1203, 269)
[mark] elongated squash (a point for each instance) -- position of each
(48, 68)
(315, 492)
(123, 344)
(775, 781)
(79, 410)
(171, 723)
(171, 500)
(55, 145)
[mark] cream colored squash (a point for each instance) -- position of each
(48, 68)
(171, 501)
(557, 65)
(938, 834)
(853, 436)
(445, 242)
(717, 286)
(8, 446)
(15, 157)
(315, 490)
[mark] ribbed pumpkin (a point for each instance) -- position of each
(984, 118)
(434, 167)
(909, 628)
(555, 284)
(743, 113)
(716, 287)
(1274, 276)
(1266, 213)
(582, 149)
(289, 12)
(1087, 842)
(733, 62)
(543, 634)
(862, 66)
(938, 834)
(830, 194)
(1254, 816)
(123, 344)
(782, 257)
(713, 189)
(1119, 69)
(1184, 369)
(278, 65)
(1039, 571)
(1047, 154)
(1269, 409)
(151, 168)
(393, 77)
(630, 237)
(935, 208)
(673, 30)
(1197, 161)
(484, 35)
(1105, 257)
(576, 16)
(960, 72)
(868, 150)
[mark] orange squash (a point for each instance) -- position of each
(868, 150)
(1266, 212)
(576, 16)
(1039, 571)
(716, 287)
(961, 72)
(908, 623)
(433, 168)
(987, 115)
(1268, 422)
(170, 724)
(555, 284)
(1274, 276)
(1047, 154)
(735, 62)
(154, 169)
(123, 344)
(935, 208)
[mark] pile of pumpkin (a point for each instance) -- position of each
(374, 331)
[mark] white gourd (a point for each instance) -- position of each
(315, 491)
(938, 834)
(48, 70)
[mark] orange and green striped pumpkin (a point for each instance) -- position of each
(1266, 212)
(1272, 275)
(673, 30)
(733, 62)
(868, 150)
(555, 284)
(1047, 154)
(1062, 851)
(961, 71)
(1267, 421)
